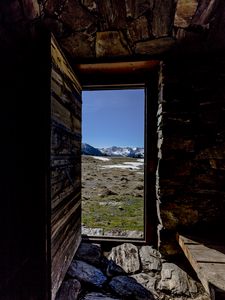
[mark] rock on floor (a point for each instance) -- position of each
(98, 296)
(148, 276)
(89, 253)
(176, 281)
(146, 280)
(129, 288)
(86, 273)
(126, 256)
(112, 269)
(150, 259)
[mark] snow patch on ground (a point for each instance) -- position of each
(101, 158)
(135, 164)
(141, 160)
(125, 165)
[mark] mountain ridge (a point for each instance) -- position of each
(87, 149)
(115, 151)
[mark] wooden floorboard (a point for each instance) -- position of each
(207, 259)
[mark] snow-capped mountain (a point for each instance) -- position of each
(89, 150)
(123, 151)
(137, 152)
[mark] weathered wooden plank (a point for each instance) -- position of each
(188, 241)
(59, 240)
(64, 90)
(63, 98)
(62, 163)
(60, 218)
(62, 82)
(208, 263)
(59, 60)
(62, 136)
(65, 166)
(63, 197)
(72, 240)
(64, 116)
(60, 127)
(65, 172)
(203, 254)
(61, 194)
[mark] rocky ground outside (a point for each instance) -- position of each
(113, 196)
(127, 272)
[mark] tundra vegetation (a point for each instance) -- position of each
(113, 195)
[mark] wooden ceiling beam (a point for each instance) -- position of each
(117, 67)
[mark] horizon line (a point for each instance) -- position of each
(113, 146)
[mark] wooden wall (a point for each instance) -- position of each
(40, 168)
(65, 165)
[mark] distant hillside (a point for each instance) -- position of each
(137, 152)
(89, 150)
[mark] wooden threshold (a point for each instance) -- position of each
(208, 263)
(113, 239)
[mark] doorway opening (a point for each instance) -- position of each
(113, 163)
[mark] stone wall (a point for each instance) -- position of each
(93, 30)
(190, 173)
(103, 29)
(191, 146)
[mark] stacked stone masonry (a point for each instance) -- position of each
(126, 272)
(97, 29)
(191, 145)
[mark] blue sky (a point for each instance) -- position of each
(113, 118)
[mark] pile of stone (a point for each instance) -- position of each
(126, 272)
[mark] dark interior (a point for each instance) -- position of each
(178, 51)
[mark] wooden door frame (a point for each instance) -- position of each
(149, 82)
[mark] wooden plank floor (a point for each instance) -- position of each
(208, 261)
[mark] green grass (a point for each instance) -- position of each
(128, 215)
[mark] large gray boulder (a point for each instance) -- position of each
(128, 288)
(89, 253)
(86, 273)
(150, 259)
(69, 290)
(175, 281)
(147, 280)
(126, 256)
